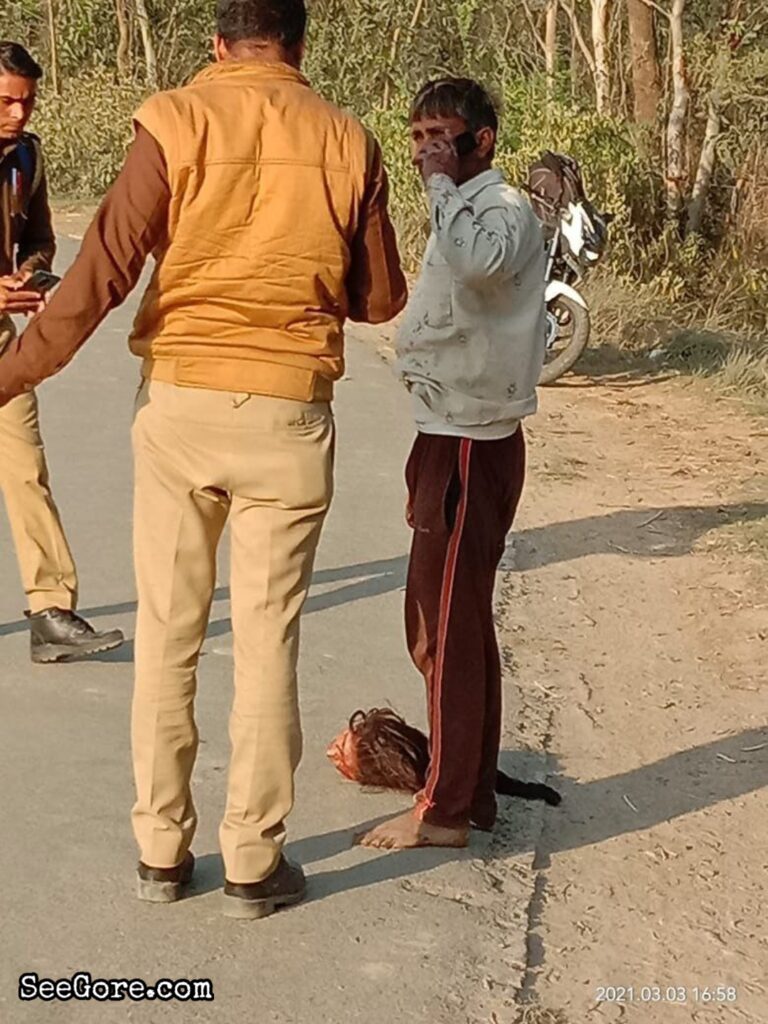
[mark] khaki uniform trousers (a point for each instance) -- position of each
(203, 457)
(47, 570)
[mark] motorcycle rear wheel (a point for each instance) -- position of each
(575, 326)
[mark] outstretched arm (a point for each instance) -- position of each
(130, 224)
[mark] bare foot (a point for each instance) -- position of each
(406, 831)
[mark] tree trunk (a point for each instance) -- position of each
(150, 57)
(577, 39)
(678, 118)
(123, 51)
(646, 73)
(574, 65)
(706, 169)
(601, 12)
(550, 47)
(53, 42)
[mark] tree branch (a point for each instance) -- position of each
(536, 34)
(706, 169)
(579, 36)
(53, 43)
(393, 52)
(416, 14)
(657, 7)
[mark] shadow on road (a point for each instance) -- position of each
(370, 579)
(683, 783)
(649, 532)
(591, 813)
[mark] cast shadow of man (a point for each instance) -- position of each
(360, 581)
(658, 532)
(648, 532)
(591, 813)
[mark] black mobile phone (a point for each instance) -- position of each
(41, 281)
(465, 143)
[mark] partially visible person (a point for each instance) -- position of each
(27, 245)
(266, 209)
(470, 351)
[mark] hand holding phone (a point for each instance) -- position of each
(444, 155)
(16, 301)
(41, 281)
(438, 156)
(465, 143)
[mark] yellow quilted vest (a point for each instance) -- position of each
(267, 180)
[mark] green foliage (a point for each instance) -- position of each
(619, 178)
(372, 55)
(86, 132)
(407, 202)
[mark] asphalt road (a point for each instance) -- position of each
(370, 944)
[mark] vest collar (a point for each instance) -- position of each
(251, 70)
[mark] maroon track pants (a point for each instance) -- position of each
(463, 496)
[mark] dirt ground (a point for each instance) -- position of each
(636, 614)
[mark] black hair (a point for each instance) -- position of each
(15, 60)
(278, 21)
(457, 97)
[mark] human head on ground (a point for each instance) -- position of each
(19, 75)
(447, 109)
(267, 30)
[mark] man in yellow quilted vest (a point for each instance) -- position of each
(266, 210)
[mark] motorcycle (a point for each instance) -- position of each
(576, 238)
(578, 243)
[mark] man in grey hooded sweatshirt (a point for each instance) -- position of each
(470, 352)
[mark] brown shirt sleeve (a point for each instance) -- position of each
(130, 224)
(376, 285)
(37, 245)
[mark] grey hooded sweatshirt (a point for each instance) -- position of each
(471, 345)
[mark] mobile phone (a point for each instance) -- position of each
(41, 281)
(465, 143)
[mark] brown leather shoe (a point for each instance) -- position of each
(283, 888)
(164, 885)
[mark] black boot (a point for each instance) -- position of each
(165, 885)
(60, 635)
(284, 887)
